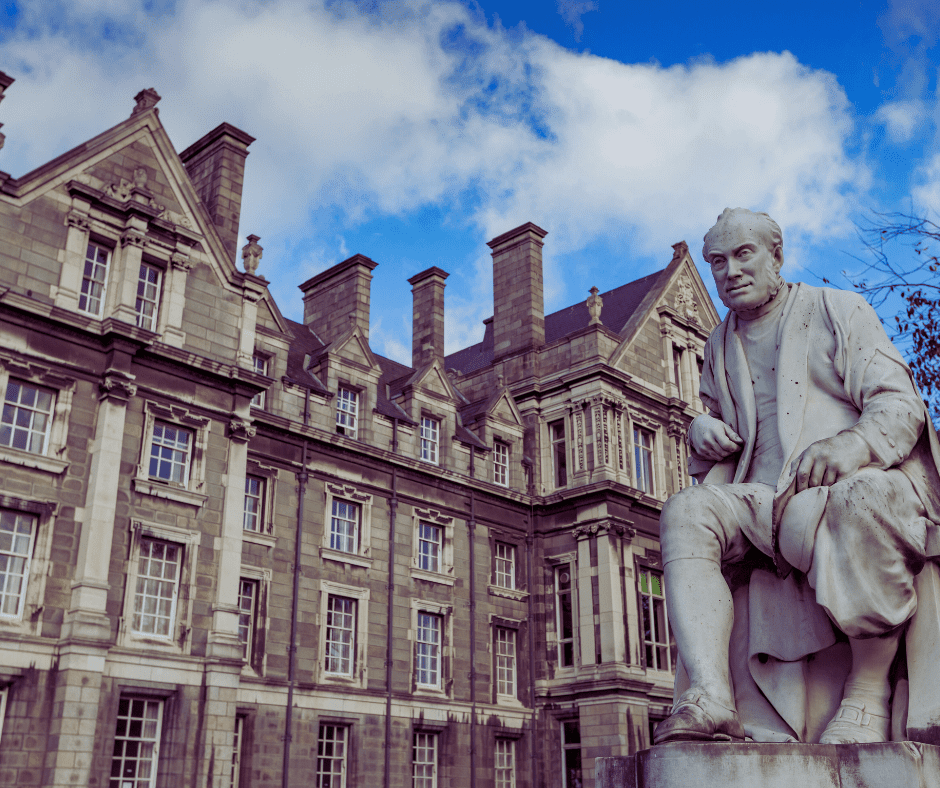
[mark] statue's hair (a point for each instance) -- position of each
(761, 223)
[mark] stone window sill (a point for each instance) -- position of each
(345, 558)
(29, 460)
(162, 490)
(508, 593)
(509, 700)
(256, 537)
(431, 577)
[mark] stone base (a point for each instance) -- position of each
(692, 765)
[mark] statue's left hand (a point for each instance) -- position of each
(830, 460)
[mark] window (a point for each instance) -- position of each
(344, 526)
(347, 413)
(571, 753)
(340, 635)
(17, 532)
(158, 575)
(429, 547)
(148, 296)
(643, 458)
(424, 761)
(94, 279)
(677, 368)
(505, 763)
(564, 616)
(505, 661)
(430, 439)
(656, 636)
(259, 364)
(170, 451)
(428, 650)
(136, 743)
(254, 504)
(247, 615)
(501, 464)
(559, 453)
(27, 416)
(504, 570)
(238, 741)
(332, 748)
(3, 708)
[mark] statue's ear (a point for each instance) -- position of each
(778, 258)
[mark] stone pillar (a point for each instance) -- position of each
(253, 291)
(344, 290)
(518, 301)
(74, 717)
(76, 245)
(223, 638)
(588, 646)
(127, 270)
(215, 766)
(87, 617)
(610, 587)
(427, 336)
(174, 290)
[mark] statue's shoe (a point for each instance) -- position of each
(696, 717)
(854, 724)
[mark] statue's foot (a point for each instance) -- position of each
(857, 722)
(696, 717)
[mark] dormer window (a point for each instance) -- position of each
(430, 439)
(94, 279)
(347, 412)
(501, 464)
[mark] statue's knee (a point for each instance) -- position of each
(679, 511)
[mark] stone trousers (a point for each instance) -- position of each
(859, 542)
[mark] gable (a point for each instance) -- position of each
(505, 410)
(354, 349)
(435, 382)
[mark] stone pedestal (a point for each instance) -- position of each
(692, 765)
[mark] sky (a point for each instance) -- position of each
(415, 132)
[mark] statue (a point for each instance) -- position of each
(791, 572)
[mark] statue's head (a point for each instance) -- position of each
(745, 250)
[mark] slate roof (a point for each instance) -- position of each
(619, 306)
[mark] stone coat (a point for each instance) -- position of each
(837, 370)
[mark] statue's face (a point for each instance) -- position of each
(745, 270)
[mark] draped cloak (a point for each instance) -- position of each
(836, 370)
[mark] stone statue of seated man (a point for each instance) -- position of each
(822, 483)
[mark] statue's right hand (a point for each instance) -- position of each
(712, 439)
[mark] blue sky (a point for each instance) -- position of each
(414, 132)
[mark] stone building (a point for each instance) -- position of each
(233, 544)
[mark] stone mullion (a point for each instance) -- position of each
(76, 245)
(174, 298)
(127, 271)
(613, 644)
(587, 646)
(579, 440)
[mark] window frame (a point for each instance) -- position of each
(560, 642)
(344, 760)
(429, 448)
(504, 767)
(339, 518)
(151, 781)
(142, 582)
(431, 780)
(444, 575)
(162, 426)
(505, 664)
(32, 605)
(27, 563)
(268, 474)
(358, 675)
(107, 265)
(644, 456)
(444, 614)
(155, 301)
(347, 643)
(64, 387)
(260, 363)
(559, 450)
(347, 492)
(644, 615)
(501, 463)
(250, 613)
(182, 418)
(345, 413)
(238, 749)
(256, 660)
(567, 746)
(511, 561)
(259, 515)
(179, 638)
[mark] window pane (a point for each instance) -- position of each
(16, 537)
(157, 579)
(133, 762)
(331, 756)
(340, 635)
(344, 526)
(170, 453)
(27, 415)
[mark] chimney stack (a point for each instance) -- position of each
(518, 304)
(216, 166)
(427, 336)
(340, 292)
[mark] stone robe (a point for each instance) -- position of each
(836, 370)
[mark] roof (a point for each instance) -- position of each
(619, 306)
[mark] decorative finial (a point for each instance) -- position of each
(251, 254)
(594, 305)
(146, 99)
(499, 380)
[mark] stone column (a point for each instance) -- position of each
(610, 587)
(588, 647)
(252, 292)
(127, 270)
(76, 245)
(87, 618)
(174, 290)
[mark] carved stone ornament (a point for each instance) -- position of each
(685, 300)
(140, 178)
(117, 388)
(132, 237)
(251, 254)
(120, 191)
(78, 219)
(588, 530)
(594, 304)
(241, 431)
(146, 99)
(180, 261)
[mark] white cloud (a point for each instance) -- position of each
(902, 119)
(572, 11)
(358, 115)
